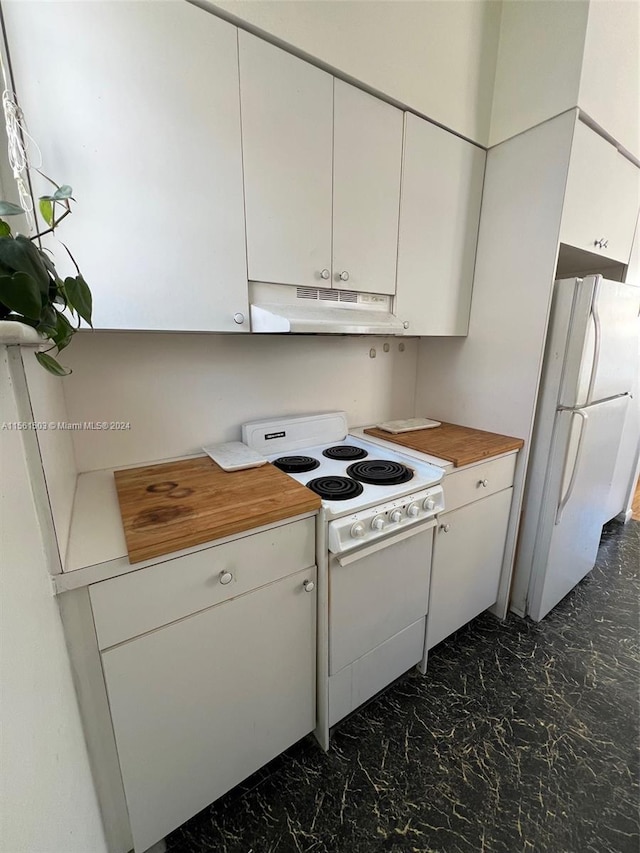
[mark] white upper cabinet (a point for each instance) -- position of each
(366, 190)
(322, 175)
(139, 112)
(287, 134)
(442, 177)
(602, 197)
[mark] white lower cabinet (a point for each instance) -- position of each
(200, 704)
(467, 563)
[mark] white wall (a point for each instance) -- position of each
(48, 799)
(541, 43)
(180, 391)
(610, 80)
(627, 467)
(47, 402)
(554, 55)
(436, 57)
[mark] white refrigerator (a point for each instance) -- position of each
(589, 366)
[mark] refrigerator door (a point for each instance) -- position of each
(574, 504)
(601, 348)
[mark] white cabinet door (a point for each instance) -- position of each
(467, 562)
(287, 137)
(200, 704)
(366, 190)
(602, 197)
(442, 178)
(144, 123)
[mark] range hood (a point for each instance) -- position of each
(316, 310)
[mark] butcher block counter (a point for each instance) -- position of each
(168, 522)
(176, 505)
(459, 445)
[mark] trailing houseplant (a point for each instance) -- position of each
(31, 291)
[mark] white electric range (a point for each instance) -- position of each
(372, 492)
(373, 550)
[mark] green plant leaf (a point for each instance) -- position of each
(79, 296)
(20, 255)
(48, 262)
(48, 324)
(64, 331)
(20, 318)
(9, 209)
(46, 209)
(20, 293)
(52, 365)
(62, 192)
(5, 229)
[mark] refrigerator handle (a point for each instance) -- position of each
(565, 500)
(597, 329)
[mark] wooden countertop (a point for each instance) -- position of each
(458, 444)
(176, 505)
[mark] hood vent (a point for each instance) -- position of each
(295, 309)
(327, 295)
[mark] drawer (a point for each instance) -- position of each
(463, 487)
(133, 604)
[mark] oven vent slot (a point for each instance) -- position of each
(348, 296)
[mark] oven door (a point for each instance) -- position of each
(377, 591)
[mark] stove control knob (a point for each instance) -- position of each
(396, 515)
(429, 504)
(413, 510)
(378, 522)
(357, 531)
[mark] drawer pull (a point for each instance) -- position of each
(484, 483)
(225, 577)
(445, 528)
(309, 586)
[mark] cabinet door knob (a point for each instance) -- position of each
(484, 483)
(602, 243)
(405, 325)
(325, 274)
(225, 577)
(344, 276)
(238, 318)
(309, 586)
(445, 528)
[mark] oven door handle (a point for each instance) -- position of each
(379, 544)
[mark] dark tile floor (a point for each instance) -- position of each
(521, 737)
